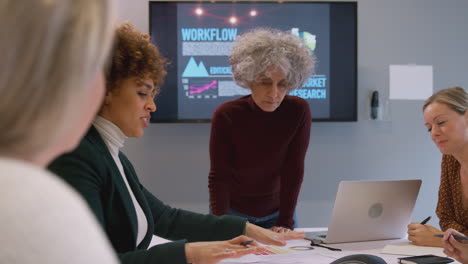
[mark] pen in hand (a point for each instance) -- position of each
(247, 243)
(426, 220)
(457, 237)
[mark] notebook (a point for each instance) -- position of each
(370, 210)
(425, 259)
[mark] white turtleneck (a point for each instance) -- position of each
(115, 139)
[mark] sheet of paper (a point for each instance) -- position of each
(296, 251)
(408, 249)
(282, 259)
(411, 82)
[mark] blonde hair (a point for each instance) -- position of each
(52, 51)
(455, 98)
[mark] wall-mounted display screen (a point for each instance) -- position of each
(197, 38)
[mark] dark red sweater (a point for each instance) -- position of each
(257, 157)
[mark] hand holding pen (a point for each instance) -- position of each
(247, 243)
(455, 234)
(455, 245)
(459, 238)
(215, 251)
(269, 237)
(422, 234)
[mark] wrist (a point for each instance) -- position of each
(250, 229)
(188, 253)
(247, 229)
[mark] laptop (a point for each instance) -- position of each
(370, 210)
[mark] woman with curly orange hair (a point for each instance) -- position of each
(129, 213)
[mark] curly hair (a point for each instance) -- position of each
(135, 56)
(257, 51)
(455, 98)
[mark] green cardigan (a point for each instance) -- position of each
(91, 170)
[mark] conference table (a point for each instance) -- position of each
(316, 255)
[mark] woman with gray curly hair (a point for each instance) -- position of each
(258, 142)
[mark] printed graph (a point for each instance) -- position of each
(301, 248)
(272, 250)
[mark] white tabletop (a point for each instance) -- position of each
(368, 247)
(318, 255)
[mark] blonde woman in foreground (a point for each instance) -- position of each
(51, 85)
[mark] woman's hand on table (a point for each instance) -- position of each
(423, 235)
(215, 251)
(269, 237)
(280, 229)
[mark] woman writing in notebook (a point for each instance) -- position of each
(446, 119)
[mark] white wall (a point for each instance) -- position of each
(172, 159)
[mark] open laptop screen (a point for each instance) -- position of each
(370, 210)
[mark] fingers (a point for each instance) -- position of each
(235, 253)
(452, 254)
(280, 239)
(215, 251)
(455, 243)
(432, 228)
(450, 240)
(264, 236)
(276, 239)
(280, 229)
(276, 229)
(417, 226)
(452, 247)
(448, 234)
(416, 240)
(238, 240)
(448, 245)
(241, 248)
(451, 231)
(418, 230)
(294, 235)
(225, 254)
(414, 225)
